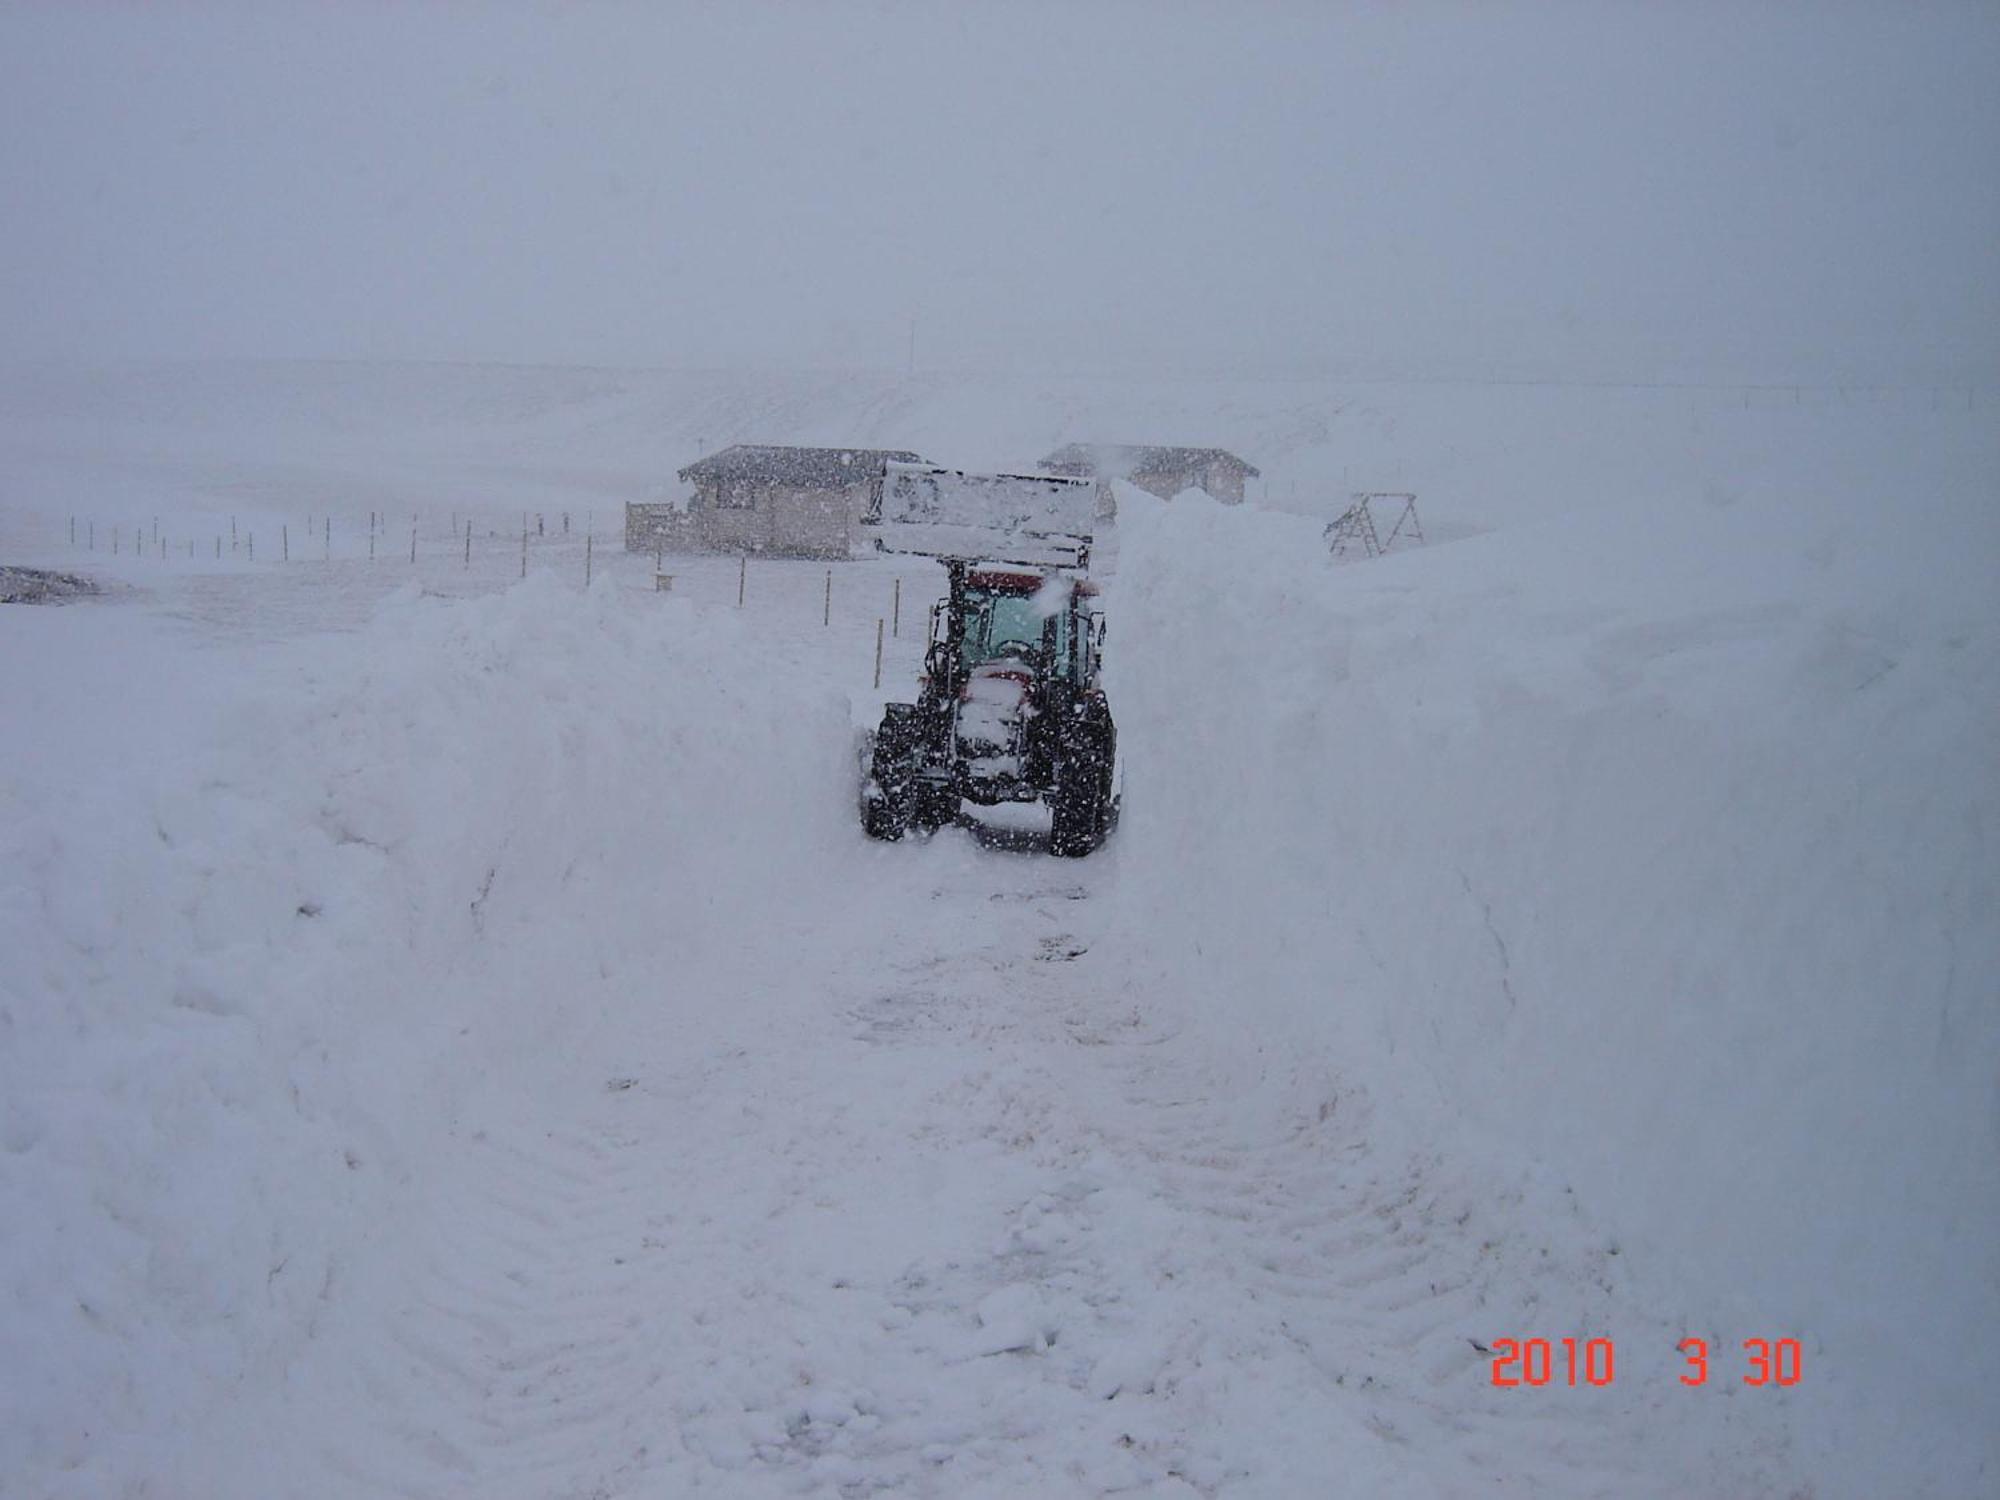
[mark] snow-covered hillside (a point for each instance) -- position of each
(454, 1039)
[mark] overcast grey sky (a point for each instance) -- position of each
(1631, 190)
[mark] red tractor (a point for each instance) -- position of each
(1010, 709)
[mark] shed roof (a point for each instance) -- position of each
(1127, 460)
(805, 468)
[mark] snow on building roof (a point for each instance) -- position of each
(804, 468)
(1125, 460)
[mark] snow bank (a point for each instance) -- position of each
(1660, 844)
(261, 932)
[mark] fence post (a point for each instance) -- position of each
(468, 542)
(524, 546)
(251, 538)
(827, 617)
(218, 546)
(896, 612)
(232, 533)
(413, 544)
(285, 541)
(878, 653)
(329, 537)
(742, 572)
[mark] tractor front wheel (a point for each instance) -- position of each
(889, 797)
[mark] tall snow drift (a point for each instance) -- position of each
(1661, 844)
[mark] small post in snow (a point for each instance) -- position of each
(285, 542)
(742, 572)
(878, 654)
(468, 542)
(218, 546)
(251, 537)
(827, 617)
(371, 536)
(329, 538)
(586, 561)
(72, 531)
(524, 546)
(413, 544)
(896, 612)
(232, 534)
(114, 541)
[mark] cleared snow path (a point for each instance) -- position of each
(615, 1120)
(975, 1227)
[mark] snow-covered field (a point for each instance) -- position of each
(454, 1039)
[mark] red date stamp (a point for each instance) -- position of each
(1569, 1361)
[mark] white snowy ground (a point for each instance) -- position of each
(455, 1041)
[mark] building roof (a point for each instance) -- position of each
(803, 468)
(1134, 460)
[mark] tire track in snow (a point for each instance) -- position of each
(504, 1367)
(992, 1229)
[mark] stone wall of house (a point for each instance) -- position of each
(1220, 480)
(816, 523)
(743, 524)
(1224, 481)
(659, 528)
(779, 520)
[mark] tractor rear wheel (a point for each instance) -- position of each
(1080, 803)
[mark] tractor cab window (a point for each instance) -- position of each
(1009, 625)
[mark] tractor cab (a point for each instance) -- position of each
(1045, 621)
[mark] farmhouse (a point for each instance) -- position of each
(1162, 471)
(793, 502)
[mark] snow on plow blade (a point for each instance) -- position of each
(1036, 519)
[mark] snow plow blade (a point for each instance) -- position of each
(1037, 520)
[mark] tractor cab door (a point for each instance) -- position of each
(1089, 647)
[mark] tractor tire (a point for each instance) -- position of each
(889, 798)
(1080, 803)
(935, 806)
